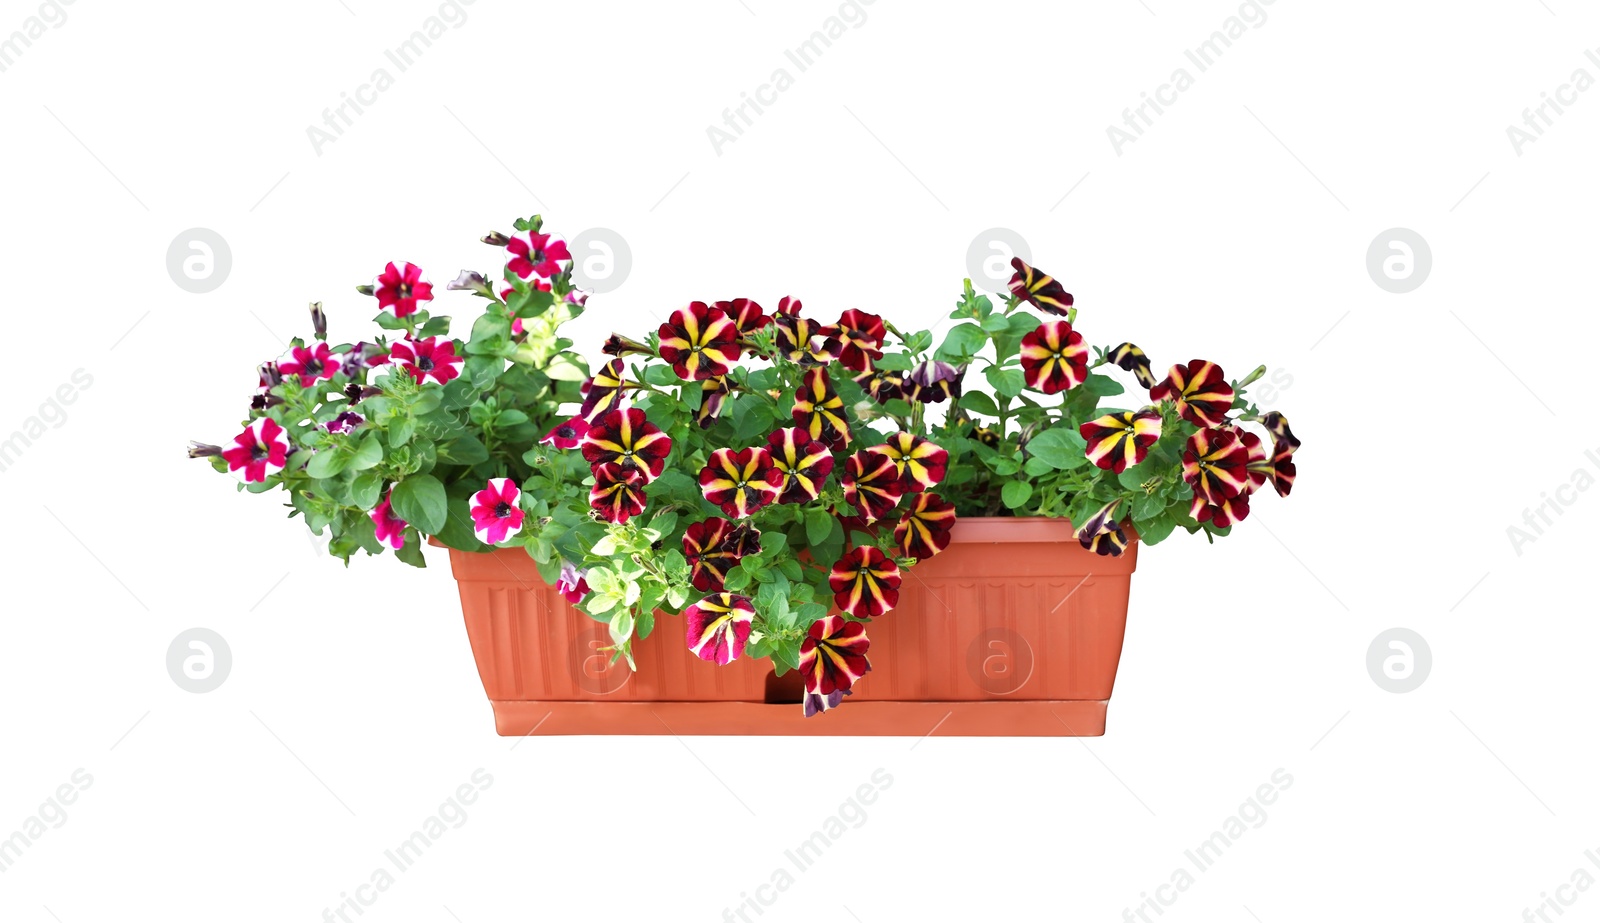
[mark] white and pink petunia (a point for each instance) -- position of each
(529, 255)
(391, 528)
(401, 287)
(428, 359)
(496, 511)
(312, 363)
(261, 450)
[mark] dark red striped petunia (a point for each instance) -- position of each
(871, 484)
(713, 394)
(1278, 424)
(1038, 289)
(1054, 357)
(1215, 464)
(1202, 394)
(819, 410)
(700, 341)
(801, 339)
(865, 582)
(1132, 359)
(924, 530)
(921, 463)
(803, 462)
(883, 384)
(718, 627)
(1118, 440)
(603, 392)
(741, 482)
(746, 315)
(1101, 533)
(860, 338)
(618, 492)
(834, 655)
(625, 438)
(1229, 511)
(713, 545)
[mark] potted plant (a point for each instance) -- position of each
(777, 489)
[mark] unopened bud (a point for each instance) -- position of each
(203, 450)
(495, 239)
(319, 320)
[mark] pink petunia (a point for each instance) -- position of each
(261, 450)
(400, 288)
(390, 528)
(496, 513)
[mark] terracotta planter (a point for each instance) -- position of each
(1014, 630)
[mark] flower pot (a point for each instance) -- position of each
(1014, 630)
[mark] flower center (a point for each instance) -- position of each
(424, 363)
(566, 432)
(403, 290)
(502, 510)
(258, 452)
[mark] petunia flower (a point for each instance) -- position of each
(871, 484)
(1202, 394)
(530, 255)
(803, 462)
(1258, 467)
(1038, 289)
(400, 288)
(268, 375)
(311, 364)
(261, 450)
(1054, 357)
(362, 356)
(884, 385)
(429, 359)
(619, 345)
(1222, 514)
(1101, 533)
(1131, 358)
(1215, 464)
(865, 582)
(713, 394)
(344, 422)
(1281, 469)
(571, 583)
(389, 527)
(496, 511)
(933, 382)
(713, 545)
(819, 410)
(602, 393)
(470, 281)
(618, 492)
(860, 338)
(1118, 440)
(815, 703)
(1278, 424)
(921, 463)
(568, 434)
(625, 438)
(924, 530)
(718, 627)
(746, 315)
(741, 482)
(700, 341)
(834, 655)
(804, 340)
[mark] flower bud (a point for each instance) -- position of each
(319, 320)
(495, 239)
(367, 290)
(469, 281)
(203, 450)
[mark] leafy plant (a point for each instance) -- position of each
(384, 442)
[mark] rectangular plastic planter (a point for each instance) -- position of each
(1014, 630)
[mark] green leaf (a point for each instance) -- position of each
(1059, 447)
(979, 402)
(420, 500)
(1103, 385)
(962, 342)
(1154, 531)
(1008, 382)
(819, 525)
(401, 431)
(364, 490)
(1016, 493)
(367, 456)
(411, 551)
(567, 367)
(327, 463)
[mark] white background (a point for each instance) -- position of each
(1235, 229)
